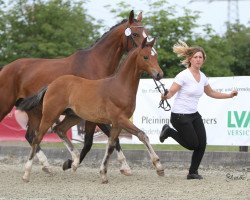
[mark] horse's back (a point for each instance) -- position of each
(31, 74)
(76, 91)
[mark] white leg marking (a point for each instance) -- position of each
(75, 156)
(103, 168)
(28, 167)
(44, 161)
(125, 169)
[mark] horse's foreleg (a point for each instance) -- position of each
(88, 141)
(125, 169)
(130, 127)
(88, 138)
(73, 151)
(109, 150)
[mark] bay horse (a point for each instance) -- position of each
(110, 101)
(27, 76)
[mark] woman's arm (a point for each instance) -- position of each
(172, 90)
(218, 95)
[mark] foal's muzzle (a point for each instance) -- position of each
(157, 75)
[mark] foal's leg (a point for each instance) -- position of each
(130, 127)
(37, 140)
(47, 121)
(61, 131)
(30, 134)
(88, 141)
(33, 124)
(125, 169)
(115, 131)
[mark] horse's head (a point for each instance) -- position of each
(133, 32)
(147, 59)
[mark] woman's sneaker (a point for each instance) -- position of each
(194, 176)
(164, 133)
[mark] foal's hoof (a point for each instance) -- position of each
(67, 164)
(160, 172)
(126, 172)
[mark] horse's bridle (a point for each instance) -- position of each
(130, 37)
(165, 92)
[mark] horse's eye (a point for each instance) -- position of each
(135, 34)
(145, 57)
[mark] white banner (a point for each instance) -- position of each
(227, 121)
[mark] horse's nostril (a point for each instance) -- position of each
(158, 76)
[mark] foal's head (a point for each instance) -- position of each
(147, 60)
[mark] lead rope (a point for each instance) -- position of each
(162, 102)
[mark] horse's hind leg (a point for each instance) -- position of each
(125, 169)
(8, 91)
(30, 134)
(43, 128)
(7, 102)
(88, 141)
(47, 121)
(61, 131)
(33, 124)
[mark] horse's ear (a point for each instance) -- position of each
(131, 17)
(151, 43)
(144, 42)
(139, 17)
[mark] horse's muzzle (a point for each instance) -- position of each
(157, 75)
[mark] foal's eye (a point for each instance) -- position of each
(145, 57)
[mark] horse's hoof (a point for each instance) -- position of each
(67, 164)
(74, 167)
(47, 170)
(25, 180)
(126, 172)
(105, 181)
(160, 172)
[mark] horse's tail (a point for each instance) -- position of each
(30, 102)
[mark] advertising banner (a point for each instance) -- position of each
(227, 121)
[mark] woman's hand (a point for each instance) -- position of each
(233, 93)
(163, 97)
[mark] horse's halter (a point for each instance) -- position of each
(164, 92)
(129, 34)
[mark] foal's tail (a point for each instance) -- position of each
(30, 102)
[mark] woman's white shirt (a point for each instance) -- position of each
(187, 98)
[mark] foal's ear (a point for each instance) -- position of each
(139, 17)
(131, 17)
(144, 42)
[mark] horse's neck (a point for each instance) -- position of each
(129, 75)
(109, 51)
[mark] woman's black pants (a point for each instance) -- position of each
(190, 133)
